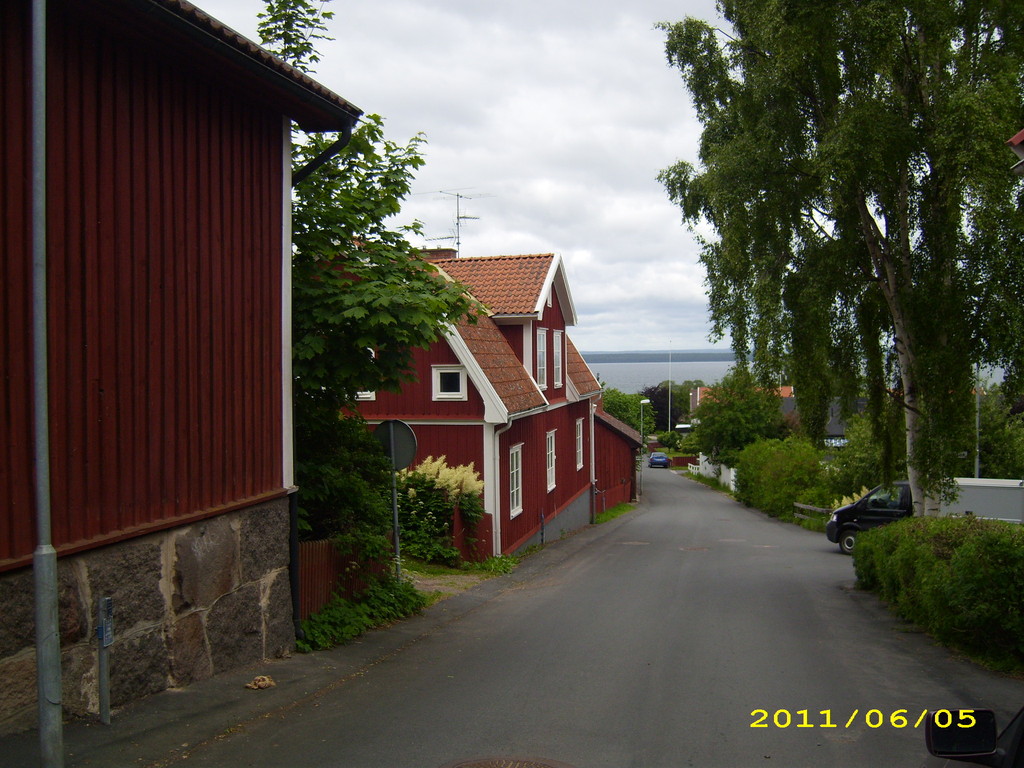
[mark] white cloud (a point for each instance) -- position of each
(554, 119)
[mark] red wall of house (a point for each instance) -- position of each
(531, 432)
(615, 465)
(15, 275)
(514, 336)
(416, 399)
(458, 443)
(164, 248)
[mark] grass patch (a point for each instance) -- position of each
(710, 482)
(817, 524)
(493, 566)
(610, 514)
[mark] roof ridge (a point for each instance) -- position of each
(499, 256)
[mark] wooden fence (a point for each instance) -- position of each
(324, 571)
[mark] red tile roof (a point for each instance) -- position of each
(631, 435)
(507, 285)
(511, 381)
(579, 372)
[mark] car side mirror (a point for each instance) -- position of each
(968, 735)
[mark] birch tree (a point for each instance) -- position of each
(867, 230)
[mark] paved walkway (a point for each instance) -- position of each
(162, 729)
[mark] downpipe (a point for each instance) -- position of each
(44, 559)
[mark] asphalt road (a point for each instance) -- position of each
(650, 641)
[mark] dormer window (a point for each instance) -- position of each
(449, 382)
(542, 358)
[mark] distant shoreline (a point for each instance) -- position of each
(661, 356)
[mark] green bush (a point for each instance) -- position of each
(959, 579)
(773, 474)
(384, 601)
(670, 440)
(427, 498)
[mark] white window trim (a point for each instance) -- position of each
(515, 481)
(542, 358)
(437, 370)
(579, 444)
(367, 394)
(556, 353)
(552, 459)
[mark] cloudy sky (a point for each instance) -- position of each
(552, 118)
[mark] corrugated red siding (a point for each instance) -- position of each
(15, 276)
(164, 280)
(459, 444)
(416, 400)
(615, 464)
(531, 432)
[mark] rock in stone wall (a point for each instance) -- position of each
(188, 603)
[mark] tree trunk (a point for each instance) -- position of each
(891, 268)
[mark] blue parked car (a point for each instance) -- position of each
(659, 459)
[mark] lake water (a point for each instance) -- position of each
(634, 376)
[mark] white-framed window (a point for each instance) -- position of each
(542, 358)
(551, 459)
(579, 443)
(556, 360)
(368, 394)
(515, 480)
(449, 382)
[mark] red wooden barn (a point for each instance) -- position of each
(512, 395)
(168, 164)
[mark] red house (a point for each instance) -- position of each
(511, 395)
(168, 259)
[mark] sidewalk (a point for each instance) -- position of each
(161, 730)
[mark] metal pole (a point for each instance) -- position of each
(977, 420)
(670, 385)
(643, 452)
(44, 559)
(394, 499)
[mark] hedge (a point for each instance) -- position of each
(772, 474)
(959, 579)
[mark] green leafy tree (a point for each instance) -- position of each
(626, 408)
(1001, 438)
(362, 299)
(860, 463)
(853, 166)
(733, 414)
(659, 397)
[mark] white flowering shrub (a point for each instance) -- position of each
(427, 497)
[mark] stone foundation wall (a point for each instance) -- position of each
(188, 603)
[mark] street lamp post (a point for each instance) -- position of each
(643, 440)
(669, 386)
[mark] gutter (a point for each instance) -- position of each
(323, 158)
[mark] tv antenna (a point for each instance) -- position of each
(459, 215)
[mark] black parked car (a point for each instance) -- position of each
(880, 506)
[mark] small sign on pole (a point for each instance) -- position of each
(399, 442)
